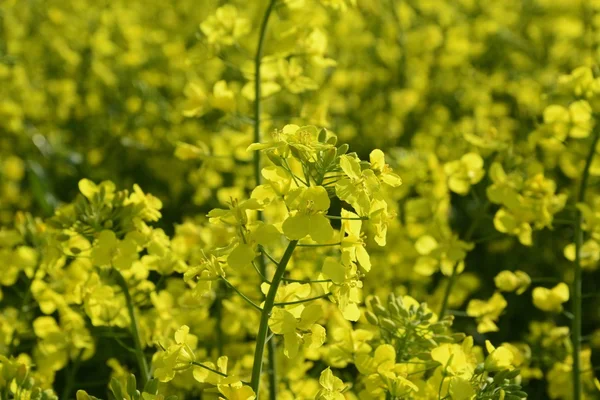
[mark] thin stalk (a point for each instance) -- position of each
(452, 278)
(288, 303)
(319, 245)
(22, 309)
(257, 178)
(135, 332)
(242, 295)
(71, 376)
(263, 329)
(347, 218)
(209, 369)
(257, 85)
(218, 316)
(306, 280)
(577, 279)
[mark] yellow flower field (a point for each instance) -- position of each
(299, 199)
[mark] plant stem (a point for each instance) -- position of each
(319, 245)
(242, 295)
(135, 332)
(257, 178)
(23, 309)
(71, 376)
(266, 313)
(209, 369)
(452, 278)
(577, 279)
(347, 218)
(257, 86)
(289, 303)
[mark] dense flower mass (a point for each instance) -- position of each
(299, 199)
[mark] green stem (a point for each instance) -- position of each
(242, 295)
(218, 316)
(71, 376)
(319, 245)
(257, 86)
(23, 309)
(577, 279)
(289, 303)
(209, 369)
(272, 371)
(452, 278)
(266, 313)
(306, 280)
(135, 332)
(348, 218)
(257, 177)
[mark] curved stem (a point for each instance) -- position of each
(257, 86)
(577, 279)
(266, 313)
(135, 332)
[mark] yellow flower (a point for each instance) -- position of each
(310, 204)
(499, 358)
(509, 281)
(456, 359)
(177, 357)
(225, 26)
(487, 312)
(464, 173)
(551, 300)
(332, 386)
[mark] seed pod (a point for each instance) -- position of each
(21, 374)
(404, 313)
(513, 374)
(479, 369)
(328, 156)
(511, 388)
(443, 339)
(275, 158)
(63, 237)
(372, 318)
(380, 310)
(500, 376)
(437, 328)
(388, 324)
(375, 300)
(395, 310)
(391, 298)
(343, 149)
(459, 337)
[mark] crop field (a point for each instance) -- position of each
(299, 199)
